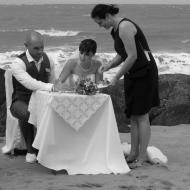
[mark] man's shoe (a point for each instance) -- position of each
(31, 158)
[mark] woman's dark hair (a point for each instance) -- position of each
(88, 45)
(101, 10)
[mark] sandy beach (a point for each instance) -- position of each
(173, 141)
(167, 29)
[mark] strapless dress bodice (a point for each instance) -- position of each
(76, 77)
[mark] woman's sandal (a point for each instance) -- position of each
(136, 164)
(130, 160)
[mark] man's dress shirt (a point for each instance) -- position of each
(18, 69)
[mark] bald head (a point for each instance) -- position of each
(34, 43)
(32, 37)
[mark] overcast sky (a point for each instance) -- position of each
(94, 1)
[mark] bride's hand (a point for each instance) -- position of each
(56, 86)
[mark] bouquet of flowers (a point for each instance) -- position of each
(86, 87)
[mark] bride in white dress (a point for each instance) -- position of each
(85, 66)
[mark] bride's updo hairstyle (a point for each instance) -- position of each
(88, 45)
(100, 11)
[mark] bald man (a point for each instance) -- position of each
(33, 70)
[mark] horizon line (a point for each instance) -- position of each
(95, 3)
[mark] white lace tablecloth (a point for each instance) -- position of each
(77, 109)
(77, 133)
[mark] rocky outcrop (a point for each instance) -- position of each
(174, 109)
(117, 96)
(175, 100)
(174, 90)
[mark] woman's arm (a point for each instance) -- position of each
(67, 70)
(98, 74)
(52, 76)
(117, 60)
(127, 35)
(65, 73)
(113, 63)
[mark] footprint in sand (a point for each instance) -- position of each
(52, 188)
(186, 180)
(130, 187)
(87, 185)
(142, 177)
(28, 181)
(188, 174)
(166, 184)
(10, 173)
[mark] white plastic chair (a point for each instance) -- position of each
(14, 139)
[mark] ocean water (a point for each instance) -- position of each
(167, 28)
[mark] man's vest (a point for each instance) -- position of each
(22, 93)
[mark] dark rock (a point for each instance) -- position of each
(117, 96)
(174, 90)
(175, 100)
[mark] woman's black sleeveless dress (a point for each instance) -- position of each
(141, 83)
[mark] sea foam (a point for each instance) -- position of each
(168, 63)
(49, 32)
(58, 33)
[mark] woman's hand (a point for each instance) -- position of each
(104, 68)
(113, 81)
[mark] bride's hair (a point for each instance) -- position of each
(88, 45)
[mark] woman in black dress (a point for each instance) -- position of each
(140, 75)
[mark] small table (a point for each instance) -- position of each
(77, 133)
